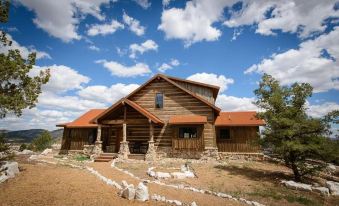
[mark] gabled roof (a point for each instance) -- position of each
(214, 88)
(187, 119)
(247, 118)
(217, 109)
(84, 120)
(134, 105)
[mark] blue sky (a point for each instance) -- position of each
(99, 51)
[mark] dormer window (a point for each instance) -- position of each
(159, 100)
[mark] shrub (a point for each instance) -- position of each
(5, 152)
(23, 147)
(41, 142)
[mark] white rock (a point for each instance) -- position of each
(11, 169)
(297, 186)
(3, 178)
(189, 174)
(321, 190)
(333, 186)
(128, 192)
(331, 167)
(178, 175)
(33, 157)
(46, 152)
(162, 175)
(141, 193)
(177, 202)
(183, 168)
(25, 152)
(194, 204)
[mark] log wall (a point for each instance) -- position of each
(203, 92)
(76, 138)
(243, 139)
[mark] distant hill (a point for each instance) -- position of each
(26, 136)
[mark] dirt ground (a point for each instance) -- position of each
(45, 184)
(257, 181)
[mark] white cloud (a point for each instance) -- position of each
(133, 25)
(24, 51)
(232, 103)
(296, 16)
(195, 22)
(104, 29)
(94, 48)
(210, 78)
(308, 63)
(166, 66)
(143, 3)
(148, 45)
(106, 94)
(320, 110)
(60, 18)
(62, 78)
(117, 69)
(166, 2)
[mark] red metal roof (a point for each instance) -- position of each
(187, 119)
(238, 119)
(84, 120)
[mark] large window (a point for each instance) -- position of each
(188, 132)
(224, 134)
(159, 100)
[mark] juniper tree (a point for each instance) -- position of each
(290, 133)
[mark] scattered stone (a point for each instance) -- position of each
(321, 190)
(184, 168)
(162, 175)
(141, 193)
(194, 204)
(10, 169)
(25, 152)
(297, 186)
(333, 186)
(178, 175)
(128, 191)
(189, 174)
(3, 178)
(46, 152)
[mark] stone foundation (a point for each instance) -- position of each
(89, 149)
(151, 154)
(210, 154)
(241, 156)
(123, 150)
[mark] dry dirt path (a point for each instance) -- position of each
(170, 193)
(46, 184)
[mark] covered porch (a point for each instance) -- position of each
(126, 128)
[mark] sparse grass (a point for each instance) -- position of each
(81, 158)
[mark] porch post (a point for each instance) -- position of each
(124, 149)
(98, 142)
(151, 153)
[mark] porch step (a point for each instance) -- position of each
(105, 157)
(136, 156)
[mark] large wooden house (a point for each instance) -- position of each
(166, 116)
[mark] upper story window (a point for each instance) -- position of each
(188, 132)
(224, 134)
(159, 100)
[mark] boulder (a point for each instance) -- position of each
(3, 178)
(11, 169)
(189, 174)
(194, 204)
(333, 186)
(184, 168)
(46, 152)
(27, 152)
(162, 175)
(128, 191)
(297, 186)
(321, 190)
(33, 157)
(178, 175)
(141, 193)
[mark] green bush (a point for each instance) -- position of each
(81, 158)
(5, 151)
(23, 147)
(41, 142)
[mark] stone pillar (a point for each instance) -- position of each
(124, 149)
(98, 143)
(210, 153)
(151, 153)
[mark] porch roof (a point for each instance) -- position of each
(246, 118)
(134, 105)
(84, 120)
(187, 119)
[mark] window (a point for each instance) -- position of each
(224, 134)
(159, 100)
(188, 132)
(92, 136)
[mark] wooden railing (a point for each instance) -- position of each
(237, 147)
(188, 144)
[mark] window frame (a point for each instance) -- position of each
(186, 127)
(224, 139)
(155, 100)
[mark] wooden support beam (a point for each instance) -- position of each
(125, 113)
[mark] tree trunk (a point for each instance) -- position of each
(297, 175)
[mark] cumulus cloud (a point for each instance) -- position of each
(214, 79)
(60, 18)
(314, 62)
(194, 23)
(104, 29)
(94, 48)
(166, 66)
(145, 4)
(117, 69)
(24, 51)
(166, 2)
(232, 103)
(320, 110)
(148, 45)
(295, 16)
(62, 79)
(133, 25)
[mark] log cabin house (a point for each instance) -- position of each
(164, 117)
